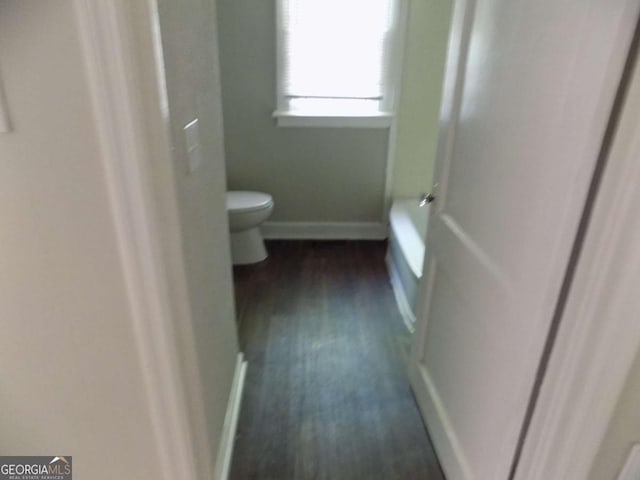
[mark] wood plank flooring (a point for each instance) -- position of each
(326, 394)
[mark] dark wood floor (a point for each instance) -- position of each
(326, 394)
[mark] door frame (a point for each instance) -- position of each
(591, 359)
(125, 73)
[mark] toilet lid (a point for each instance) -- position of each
(243, 201)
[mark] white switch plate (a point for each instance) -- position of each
(192, 142)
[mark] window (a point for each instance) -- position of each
(335, 62)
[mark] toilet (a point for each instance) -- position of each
(247, 210)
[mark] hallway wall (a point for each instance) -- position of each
(72, 378)
(189, 42)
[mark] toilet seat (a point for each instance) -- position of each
(245, 201)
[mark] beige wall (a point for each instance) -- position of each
(421, 87)
(314, 174)
(623, 431)
(72, 382)
(188, 30)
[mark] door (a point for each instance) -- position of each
(528, 94)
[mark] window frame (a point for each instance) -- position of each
(382, 119)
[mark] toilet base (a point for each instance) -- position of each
(247, 247)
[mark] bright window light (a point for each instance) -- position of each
(335, 56)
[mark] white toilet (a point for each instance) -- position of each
(247, 210)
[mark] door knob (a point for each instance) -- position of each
(426, 198)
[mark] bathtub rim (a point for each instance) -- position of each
(407, 247)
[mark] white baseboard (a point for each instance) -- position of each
(445, 441)
(325, 230)
(225, 450)
(405, 309)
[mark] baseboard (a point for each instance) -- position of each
(225, 451)
(442, 434)
(325, 230)
(405, 309)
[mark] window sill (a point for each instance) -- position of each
(303, 119)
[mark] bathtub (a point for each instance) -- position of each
(405, 254)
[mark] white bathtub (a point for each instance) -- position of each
(405, 255)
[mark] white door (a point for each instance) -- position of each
(529, 90)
